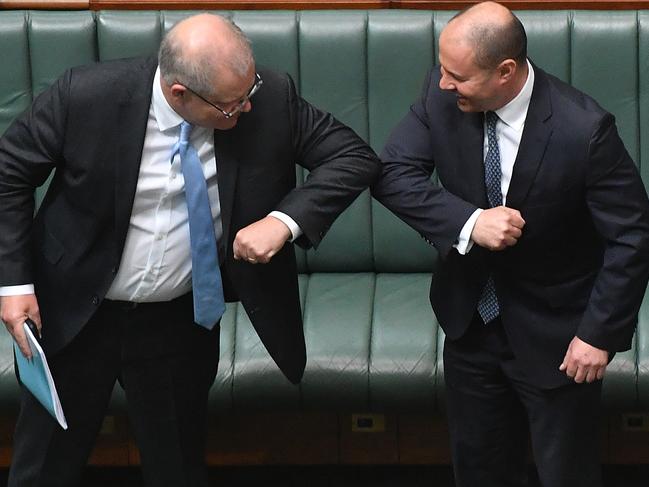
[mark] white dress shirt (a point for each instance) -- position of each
(156, 261)
(509, 129)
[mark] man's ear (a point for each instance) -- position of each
(177, 91)
(507, 70)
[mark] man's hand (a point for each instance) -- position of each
(583, 362)
(14, 310)
(498, 228)
(260, 241)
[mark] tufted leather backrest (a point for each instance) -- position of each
(367, 74)
(366, 67)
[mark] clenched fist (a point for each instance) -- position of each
(260, 241)
(498, 228)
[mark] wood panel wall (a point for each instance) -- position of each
(314, 4)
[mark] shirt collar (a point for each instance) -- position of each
(515, 112)
(166, 117)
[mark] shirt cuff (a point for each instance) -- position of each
(464, 243)
(295, 229)
(16, 290)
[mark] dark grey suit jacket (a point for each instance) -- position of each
(90, 127)
(582, 263)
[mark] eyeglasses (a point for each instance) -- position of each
(240, 104)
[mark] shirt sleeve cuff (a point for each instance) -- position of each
(464, 243)
(295, 229)
(16, 290)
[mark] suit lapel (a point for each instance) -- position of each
(132, 117)
(470, 168)
(227, 167)
(534, 141)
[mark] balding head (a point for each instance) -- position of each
(493, 32)
(482, 55)
(196, 50)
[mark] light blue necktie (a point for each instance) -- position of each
(207, 287)
(488, 307)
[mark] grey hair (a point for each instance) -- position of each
(197, 72)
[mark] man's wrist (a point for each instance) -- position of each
(17, 290)
(464, 242)
(293, 228)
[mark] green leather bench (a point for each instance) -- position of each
(373, 342)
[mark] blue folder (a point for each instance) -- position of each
(36, 376)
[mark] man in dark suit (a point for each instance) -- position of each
(541, 222)
(108, 262)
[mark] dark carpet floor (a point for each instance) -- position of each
(334, 476)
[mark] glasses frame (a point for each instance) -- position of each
(246, 98)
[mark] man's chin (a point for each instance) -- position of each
(465, 105)
(227, 124)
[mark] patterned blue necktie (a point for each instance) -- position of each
(209, 304)
(488, 307)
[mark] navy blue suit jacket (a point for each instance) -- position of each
(582, 263)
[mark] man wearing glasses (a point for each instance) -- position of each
(239, 105)
(171, 195)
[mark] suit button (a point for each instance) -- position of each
(95, 300)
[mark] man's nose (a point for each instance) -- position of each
(445, 83)
(247, 106)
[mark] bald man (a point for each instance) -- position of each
(106, 268)
(541, 222)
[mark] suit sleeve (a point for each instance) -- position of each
(618, 203)
(341, 166)
(29, 150)
(405, 185)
